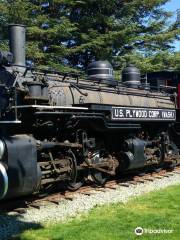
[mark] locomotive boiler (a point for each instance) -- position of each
(62, 128)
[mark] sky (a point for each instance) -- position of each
(173, 5)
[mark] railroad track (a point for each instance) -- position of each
(21, 205)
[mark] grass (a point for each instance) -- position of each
(157, 210)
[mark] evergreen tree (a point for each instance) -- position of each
(69, 34)
(120, 30)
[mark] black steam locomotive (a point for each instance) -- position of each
(58, 128)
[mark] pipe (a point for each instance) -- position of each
(17, 40)
(3, 181)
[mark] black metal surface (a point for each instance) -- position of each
(21, 159)
(17, 43)
(133, 156)
(131, 76)
(104, 123)
(5, 58)
(102, 72)
(6, 77)
(35, 88)
(3, 98)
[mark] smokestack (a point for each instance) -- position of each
(17, 35)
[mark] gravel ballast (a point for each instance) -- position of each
(13, 223)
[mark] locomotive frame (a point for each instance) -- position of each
(58, 127)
